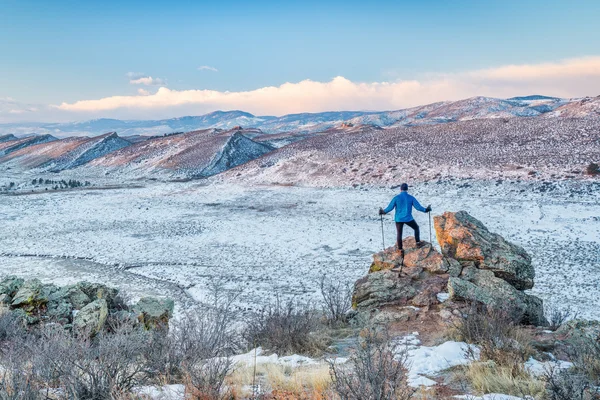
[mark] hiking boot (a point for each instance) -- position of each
(420, 244)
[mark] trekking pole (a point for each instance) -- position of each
(430, 228)
(382, 236)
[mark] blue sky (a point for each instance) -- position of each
(55, 52)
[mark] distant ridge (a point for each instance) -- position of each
(478, 107)
(534, 97)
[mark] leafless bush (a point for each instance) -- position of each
(103, 368)
(337, 299)
(285, 327)
(11, 326)
(198, 347)
(567, 385)
(557, 316)
(498, 335)
(376, 370)
(206, 379)
(16, 381)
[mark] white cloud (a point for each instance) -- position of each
(143, 92)
(147, 80)
(207, 68)
(568, 78)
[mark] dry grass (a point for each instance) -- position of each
(306, 382)
(487, 377)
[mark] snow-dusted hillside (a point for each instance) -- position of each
(485, 148)
(57, 155)
(12, 145)
(187, 155)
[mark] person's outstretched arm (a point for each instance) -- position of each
(390, 207)
(419, 207)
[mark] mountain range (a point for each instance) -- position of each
(466, 136)
(448, 111)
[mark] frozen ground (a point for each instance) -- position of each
(177, 238)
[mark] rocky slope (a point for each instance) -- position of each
(190, 155)
(485, 148)
(64, 154)
(14, 144)
(425, 285)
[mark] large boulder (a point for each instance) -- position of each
(475, 265)
(468, 241)
(154, 313)
(71, 294)
(414, 280)
(30, 296)
(484, 287)
(99, 291)
(91, 318)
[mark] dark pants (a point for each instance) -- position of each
(412, 224)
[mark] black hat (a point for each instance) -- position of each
(404, 187)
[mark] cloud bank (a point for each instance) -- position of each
(567, 78)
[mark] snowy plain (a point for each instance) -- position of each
(177, 239)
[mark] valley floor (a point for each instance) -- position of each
(178, 239)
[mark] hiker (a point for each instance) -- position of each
(403, 203)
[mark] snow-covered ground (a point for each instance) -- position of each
(177, 238)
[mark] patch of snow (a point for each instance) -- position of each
(538, 368)
(167, 392)
(442, 297)
(491, 396)
(256, 356)
(426, 360)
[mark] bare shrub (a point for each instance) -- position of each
(11, 326)
(592, 169)
(376, 370)
(582, 381)
(108, 366)
(337, 299)
(285, 327)
(498, 335)
(206, 379)
(557, 316)
(16, 380)
(567, 385)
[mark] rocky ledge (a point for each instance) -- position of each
(474, 266)
(83, 307)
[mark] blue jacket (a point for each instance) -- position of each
(403, 203)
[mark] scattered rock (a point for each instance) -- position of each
(154, 313)
(10, 285)
(91, 318)
(85, 306)
(5, 299)
(30, 296)
(99, 291)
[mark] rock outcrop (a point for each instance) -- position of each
(474, 265)
(153, 312)
(468, 241)
(84, 307)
